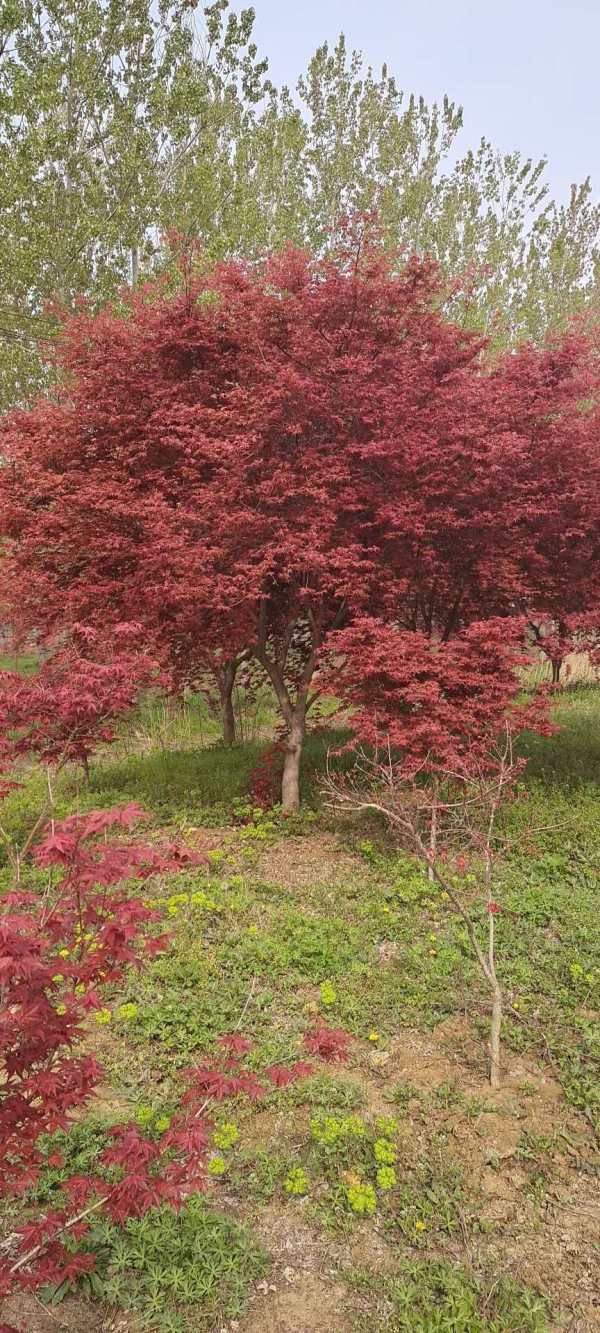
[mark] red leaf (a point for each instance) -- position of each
(329, 1044)
(235, 1043)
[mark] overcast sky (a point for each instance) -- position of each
(526, 71)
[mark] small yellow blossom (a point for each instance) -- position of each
(373, 1036)
(253, 930)
(419, 1225)
(102, 1017)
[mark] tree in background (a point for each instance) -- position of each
(351, 141)
(121, 123)
(116, 121)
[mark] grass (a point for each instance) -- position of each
(438, 1297)
(288, 925)
(203, 782)
(572, 757)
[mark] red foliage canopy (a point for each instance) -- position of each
(246, 465)
(436, 704)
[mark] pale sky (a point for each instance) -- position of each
(526, 71)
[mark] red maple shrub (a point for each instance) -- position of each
(58, 949)
(69, 707)
(433, 705)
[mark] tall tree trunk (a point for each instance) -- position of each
(290, 783)
(556, 666)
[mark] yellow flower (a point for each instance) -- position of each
(419, 1225)
(373, 1036)
(61, 1009)
(102, 1017)
(63, 953)
(444, 895)
(58, 977)
(253, 930)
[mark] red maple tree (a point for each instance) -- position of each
(246, 465)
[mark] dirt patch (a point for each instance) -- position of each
(27, 1314)
(303, 1293)
(305, 1304)
(300, 863)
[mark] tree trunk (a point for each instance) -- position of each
(433, 836)
(496, 1023)
(495, 1036)
(226, 682)
(228, 718)
(290, 784)
(556, 666)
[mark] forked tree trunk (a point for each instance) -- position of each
(294, 706)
